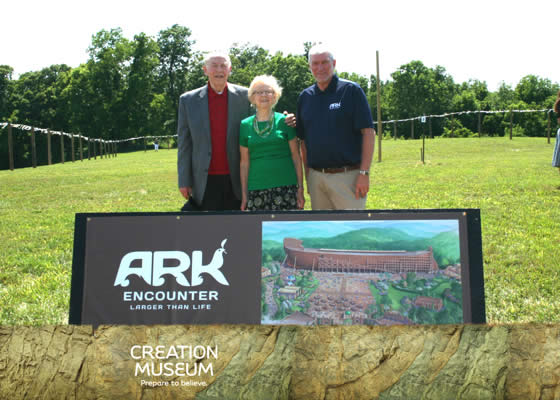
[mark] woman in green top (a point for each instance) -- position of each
(271, 172)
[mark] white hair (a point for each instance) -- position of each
(215, 54)
(319, 49)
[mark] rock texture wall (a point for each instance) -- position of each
(284, 362)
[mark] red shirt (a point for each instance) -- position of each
(218, 112)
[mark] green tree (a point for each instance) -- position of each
(502, 99)
(140, 89)
(109, 64)
(36, 101)
(361, 80)
(5, 91)
(36, 97)
(385, 300)
(247, 61)
(534, 90)
(386, 112)
(413, 314)
(454, 128)
(177, 60)
(443, 317)
(424, 316)
(418, 90)
(293, 75)
(76, 97)
(6, 109)
(410, 279)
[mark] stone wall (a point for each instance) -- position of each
(283, 362)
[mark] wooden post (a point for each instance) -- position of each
(548, 130)
(116, 150)
(412, 128)
(49, 147)
(62, 147)
(511, 125)
(10, 147)
(379, 122)
(479, 125)
(423, 148)
(94, 150)
(88, 150)
(395, 130)
(33, 149)
(81, 149)
(430, 127)
(72, 147)
(144, 145)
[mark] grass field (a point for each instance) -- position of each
(512, 183)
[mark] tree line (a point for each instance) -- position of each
(130, 88)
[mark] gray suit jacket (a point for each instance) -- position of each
(194, 141)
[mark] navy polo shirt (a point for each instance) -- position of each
(330, 122)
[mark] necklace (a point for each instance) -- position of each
(267, 130)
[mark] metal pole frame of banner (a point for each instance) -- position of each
(379, 122)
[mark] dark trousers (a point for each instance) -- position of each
(218, 196)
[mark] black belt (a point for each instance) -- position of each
(337, 169)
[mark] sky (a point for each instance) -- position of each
(278, 230)
(492, 40)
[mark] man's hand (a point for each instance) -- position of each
(362, 186)
(186, 191)
(290, 119)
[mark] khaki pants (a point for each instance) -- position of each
(334, 191)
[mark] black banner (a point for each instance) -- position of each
(344, 267)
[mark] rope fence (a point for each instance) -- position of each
(108, 148)
(452, 115)
(95, 146)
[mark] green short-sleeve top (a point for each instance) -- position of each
(270, 158)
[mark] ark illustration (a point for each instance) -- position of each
(357, 261)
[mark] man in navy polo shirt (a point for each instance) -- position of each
(336, 128)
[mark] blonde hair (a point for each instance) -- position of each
(267, 80)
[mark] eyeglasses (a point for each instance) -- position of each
(264, 93)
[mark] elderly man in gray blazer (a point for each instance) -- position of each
(208, 139)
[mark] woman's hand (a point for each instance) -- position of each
(300, 198)
(243, 203)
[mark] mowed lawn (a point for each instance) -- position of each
(511, 181)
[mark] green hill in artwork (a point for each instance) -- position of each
(445, 244)
(270, 244)
(361, 239)
(446, 248)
